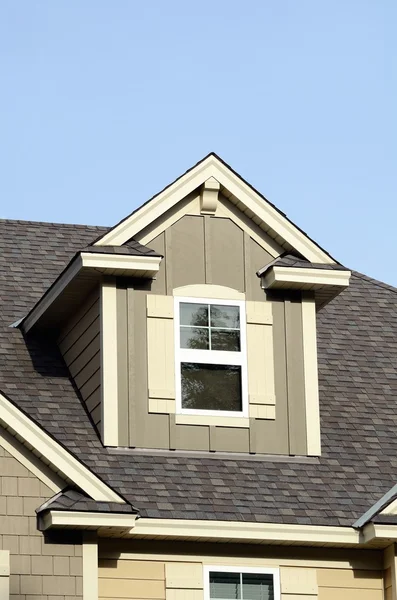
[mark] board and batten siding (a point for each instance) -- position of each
(170, 572)
(209, 250)
(79, 343)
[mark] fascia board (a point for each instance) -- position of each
(58, 456)
(121, 261)
(379, 507)
(373, 532)
(277, 276)
(149, 265)
(213, 167)
(81, 519)
(235, 531)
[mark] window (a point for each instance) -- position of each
(211, 371)
(230, 583)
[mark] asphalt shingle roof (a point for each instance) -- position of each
(358, 389)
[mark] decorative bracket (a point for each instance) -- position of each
(209, 196)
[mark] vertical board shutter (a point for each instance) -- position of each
(161, 350)
(260, 358)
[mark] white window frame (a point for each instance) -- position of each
(207, 569)
(214, 357)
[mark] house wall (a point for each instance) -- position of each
(174, 570)
(210, 250)
(39, 569)
(79, 343)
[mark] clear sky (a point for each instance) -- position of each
(104, 102)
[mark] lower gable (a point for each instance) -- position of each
(39, 567)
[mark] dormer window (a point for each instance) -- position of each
(211, 371)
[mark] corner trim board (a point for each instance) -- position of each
(90, 566)
(61, 459)
(310, 370)
(109, 371)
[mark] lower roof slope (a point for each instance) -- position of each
(358, 391)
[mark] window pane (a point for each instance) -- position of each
(211, 387)
(225, 339)
(225, 586)
(196, 338)
(194, 314)
(225, 316)
(257, 587)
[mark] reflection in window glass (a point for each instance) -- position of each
(211, 387)
(241, 586)
(195, 338)
(194, 314)
(227, 317)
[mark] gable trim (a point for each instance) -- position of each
(13, 418)
(255, 203)
(32, 462)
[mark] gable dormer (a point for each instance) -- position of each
(191, 325)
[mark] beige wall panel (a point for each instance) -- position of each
(139, 589)
(159, 283)
(271, 437)
(295, 377)
(91, 385)
(298, 581)
(184, 575)
(257, 258)
(87, 368)
(122, 366)
(187, 261)
(88, 354)
(230, 439)
(82, 342)
(349, 578)
(226, 253)
(131, 569)
(81, 326)
(260, 356)
(35, 562)
(146, 431)
(192, 437)
(80, 314)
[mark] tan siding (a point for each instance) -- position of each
(295, 376)
(39, 568)
(131, 579)
(187, 261)
(350, 584)
(305, 573)
(199, 250)
(226, 253)
(79, 343)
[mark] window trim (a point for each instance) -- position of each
(224, 358)
(275, 572)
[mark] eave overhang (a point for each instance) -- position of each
(80, 276)
(101, 522)
(326, 284)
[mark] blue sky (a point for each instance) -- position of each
(104, 103)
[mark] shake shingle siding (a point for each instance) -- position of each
(358, 395)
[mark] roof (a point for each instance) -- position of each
(292, 261)
(358, 386)
(71, 499)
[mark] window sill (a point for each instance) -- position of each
(212, 420)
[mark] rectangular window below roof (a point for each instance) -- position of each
(210, 357)
(235, 585)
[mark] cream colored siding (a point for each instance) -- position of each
(140, 580)
(305, 573)
(79, 343)
(350, 584)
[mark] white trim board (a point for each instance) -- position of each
(253, 202)
(60, 458)
(119, 264)
(87, 520)
(315, 278)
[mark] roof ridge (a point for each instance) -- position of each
(52, 223)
